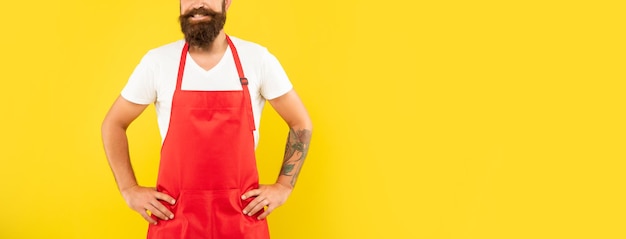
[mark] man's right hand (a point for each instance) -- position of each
(143, 199)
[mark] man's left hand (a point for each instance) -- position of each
(271, 196)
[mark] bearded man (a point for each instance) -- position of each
(209, 91)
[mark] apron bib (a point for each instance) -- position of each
(208, 162)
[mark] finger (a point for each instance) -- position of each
(163, 209)
(252, 204)
(258, 207)
(148, 218)
(164, 197)
(156, 212)
(251, 193)
(267, 212)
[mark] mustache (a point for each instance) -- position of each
(199, 11)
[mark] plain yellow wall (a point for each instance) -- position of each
(433, 119)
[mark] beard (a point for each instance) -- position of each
(202, 33)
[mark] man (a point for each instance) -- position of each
(209, 91)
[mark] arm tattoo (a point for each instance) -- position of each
(295, 152)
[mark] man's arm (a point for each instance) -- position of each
(140, 199)
(292, 110)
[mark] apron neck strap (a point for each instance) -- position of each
(242, 78)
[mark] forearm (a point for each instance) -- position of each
(296, 150)
(116, 149)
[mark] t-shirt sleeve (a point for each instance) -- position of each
(274, 80)
(140, 88)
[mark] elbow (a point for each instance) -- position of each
(109, 126)
(302, 123)
(106, 127)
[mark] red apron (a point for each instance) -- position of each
(207, 163)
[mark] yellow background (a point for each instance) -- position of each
(433, 119)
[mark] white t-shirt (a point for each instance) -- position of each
(154, 79)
